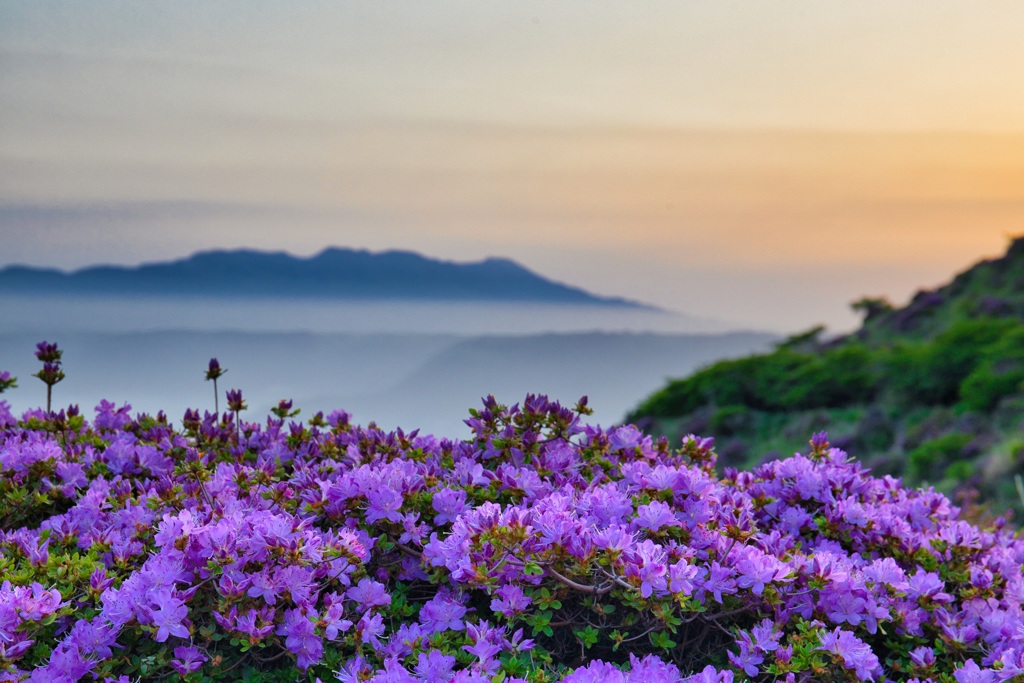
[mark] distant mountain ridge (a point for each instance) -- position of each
(334, 273)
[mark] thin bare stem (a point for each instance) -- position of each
(409, 551)
(596, 590)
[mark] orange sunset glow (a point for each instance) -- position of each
(810, 152)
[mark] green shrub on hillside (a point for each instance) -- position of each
(930, 373)
(933, 390)
(937, 454)
(834, 379)
(780, 381)
(998, 375)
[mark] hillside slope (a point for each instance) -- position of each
(932, 391)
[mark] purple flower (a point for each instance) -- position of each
(72, 474)
(845, 607)
(404, 640)
(927, 586)
(710, 675)
(33, 602)
(652, 669)
(299, 584)
(187, 659)
(67, 663)
(748, 658)
(434, 667)
(334, 620)
(370, 629)
(263, 586)
(393, 672)
(718, 582)
(214, 370)
(235, 401)
(819, 441)
(981, 577)
(93, 637)
(517, 643)
(168, 615)
(283, 410)
(354, 670)
(922, 657)
(755, 570)
(855, 653)
(681, 577)
(648, 563)
(443, 612)
(369, 594)
(596, 672)
(886, 570)
(290, 531)
(50, 374)
(48, 352)
(7, 382)
(384, 503)
(509, 600)
(449, 504)
(625, 438)
(765, 637)
(256, 624)
(486, 642)
(301, 638)
(972, 673)
(655, 516)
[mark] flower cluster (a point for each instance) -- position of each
(49, 354)
(21, 610)
(540, 549)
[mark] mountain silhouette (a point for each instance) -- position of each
(334, 273)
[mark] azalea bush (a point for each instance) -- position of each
(540, 549)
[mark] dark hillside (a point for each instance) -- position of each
(990, 289)
(932, 391)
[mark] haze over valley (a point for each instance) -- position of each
(394, 338)
(412, 380)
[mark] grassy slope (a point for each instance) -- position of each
(933, 391)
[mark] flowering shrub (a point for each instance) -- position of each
(540, 549)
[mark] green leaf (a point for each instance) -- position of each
(533, 569)
(588, 636)
(661, 639)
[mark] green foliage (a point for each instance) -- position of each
(780, 381)
(803, 340)
(871, 307)
(950, 361)
(929, 460)
(730, 420)
(998, 375)
(930, 373)
(836, 378)
(875, 431)
(30, 499)
(960, 471)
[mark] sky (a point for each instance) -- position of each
(761, 162)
